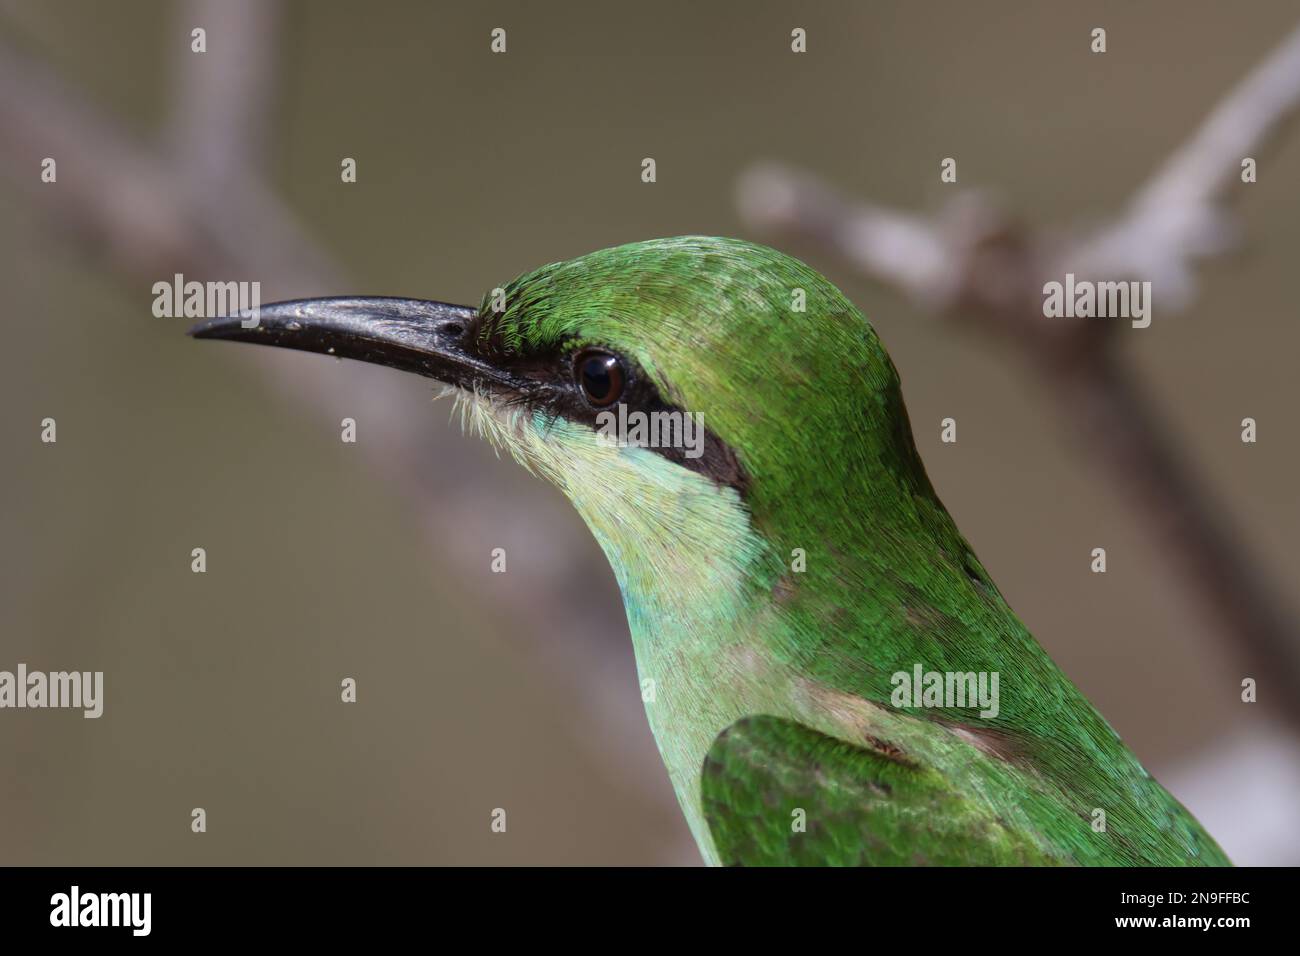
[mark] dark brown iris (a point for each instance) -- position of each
(600, 376)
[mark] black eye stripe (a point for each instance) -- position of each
(561, 393)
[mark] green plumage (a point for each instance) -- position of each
(811, 404)
(777, 588)
(777, 793)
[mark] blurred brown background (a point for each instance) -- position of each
(327, 560)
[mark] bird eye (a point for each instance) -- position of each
(600, 376)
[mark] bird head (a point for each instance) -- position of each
(707, 404)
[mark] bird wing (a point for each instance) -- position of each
(777, 793)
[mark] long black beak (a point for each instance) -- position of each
(428, 338)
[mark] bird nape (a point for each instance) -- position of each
(830, 674)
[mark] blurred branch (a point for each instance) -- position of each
(221, 114)
(132, 203)
(1179, 215)
(199, 205)
(972, 264)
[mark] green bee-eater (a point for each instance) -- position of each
(811, 629)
